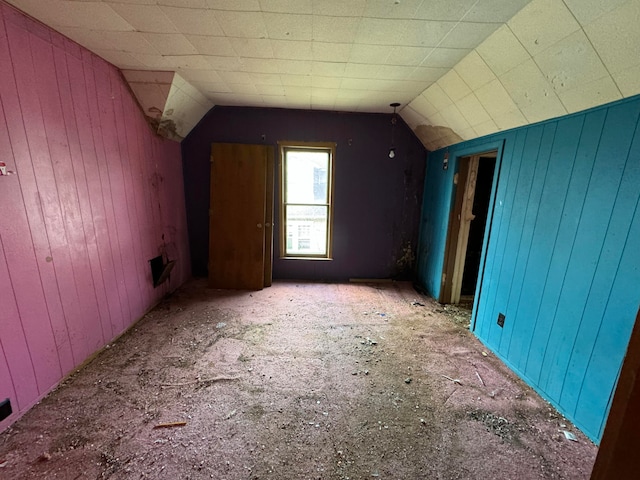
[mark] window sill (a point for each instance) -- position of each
(304, 258)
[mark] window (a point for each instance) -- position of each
(306, 193)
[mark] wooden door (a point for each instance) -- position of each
(269, 225)
(456, 225)
(465, 218)
(240, 230)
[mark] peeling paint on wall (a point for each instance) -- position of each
(404, 264)
(165, 128)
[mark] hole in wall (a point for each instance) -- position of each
(160, 271)
(5, 409)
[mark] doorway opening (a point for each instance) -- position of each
(467, 227)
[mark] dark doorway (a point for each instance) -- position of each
(471, 195)
(486, 168)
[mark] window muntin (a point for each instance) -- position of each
(306, 176)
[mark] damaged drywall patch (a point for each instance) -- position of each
(434, 137)
(154, 112)
(170, 104)
(165, 127)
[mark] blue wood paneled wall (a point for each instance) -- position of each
(562, 253)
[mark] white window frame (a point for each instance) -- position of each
(283, 148)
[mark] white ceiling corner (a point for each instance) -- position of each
(171, 104)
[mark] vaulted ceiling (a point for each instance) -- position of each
(459, 68)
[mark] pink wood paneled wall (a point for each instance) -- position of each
(94, 197)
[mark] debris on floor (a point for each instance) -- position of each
(274, 385)
(454, 380)
(569, 436)
(170, 425)
(45, 457)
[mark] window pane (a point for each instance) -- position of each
(306, 230)
(306, 177)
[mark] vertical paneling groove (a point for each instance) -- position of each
(563, 262)
(488, 257)
(67, 264)
(152, 189)
(595, 221)
(16, 353)
(504, 201)
(129, 191)
(544, 238)
(87, 338)
(574, 200)
(512, 218)
(73, 255)
(143, 205)
(43, 338)
(531, 207)
(16, 236)
(106, 167)
(101, 198)
(111, 175)
(126, 239)
(608, 348)
(601, 313)
(84, 169)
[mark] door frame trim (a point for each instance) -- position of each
(496, 146)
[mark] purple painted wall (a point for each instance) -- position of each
(376, 199)
(94, 196)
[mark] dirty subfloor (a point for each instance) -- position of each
(297, 381)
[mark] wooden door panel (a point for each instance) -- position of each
(237, 216)
(269, 226)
